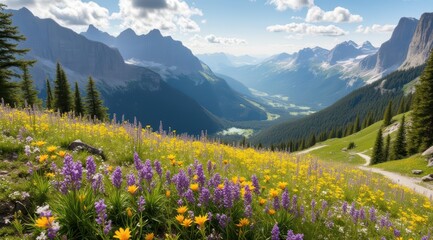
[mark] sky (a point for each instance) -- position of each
(238, 27)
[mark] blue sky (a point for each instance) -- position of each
(254, 27)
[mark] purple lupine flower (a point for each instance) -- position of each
(168, 177)
(355, 216)
(30, 165)
(191, 214)
(200, 174)
(236, 191)
(52, 231)
(53, 167)
(72, 173)
(97, 183)
(107, 227)
(255, 184)
(294, 204)
(209, 166)
(215, 180)
(116, 178)
(90, 167)
(180, 202)
(218, 196)
(181, 181)
(140, 203)
(189, 195)
(344, 207)
(190, 172)
(301, 210)
(276, 203)
(362, 214)
(222, 220)
(425, 238)
(383, 238)
(147, 171)
(313, 204)
(27, 150)
(204, 197)
(158, 168)
(248, 199)
(352, 209)
(101, 212)
(227, 195)
(397, 233)
(324, 204)
(292, 236)
(285, 199)
(209, 216)
(130, 179)
(137, 162)
(372, 214)
(275, 232)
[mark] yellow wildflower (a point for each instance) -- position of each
(50, 175)
(243, 222)
(180, 218)
(182, 210)
(122, 234)
(167, 193)
(61, 153)
(200, 220)
(44, 222)
(186, 222)
(43, 158)
(194, 187)
(132, 189)
(271, 211)
(51, 149)
(149, 236)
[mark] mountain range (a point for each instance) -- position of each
(178, 66)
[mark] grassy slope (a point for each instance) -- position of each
(364, 141)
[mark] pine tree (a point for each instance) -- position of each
(399, 150)
(50, 100)
(388, 115)
(356, 125)
(401, 107)
(312, 140)
(378, 149)
(9, 39)
(421, 132)
(78, 103)
(62, 91)
(93, 102)
(386, 152)
(28, 91)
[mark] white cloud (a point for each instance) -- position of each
(308, 29)
(339, 14)
(223, 40)
(74, 14)
(282, 5)
(166, 15)
(375, 28)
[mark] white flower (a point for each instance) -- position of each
(42, 209)
(42, 236)
(7, 220)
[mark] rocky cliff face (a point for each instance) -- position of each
(393, 52)
(422, 42)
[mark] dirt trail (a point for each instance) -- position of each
(412, 183)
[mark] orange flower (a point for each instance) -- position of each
(243, 222)
(271, 211)
(43, 158)
(129, 212)
(187, 222)
(149, 236)
(180, 218)
(44, 222)
(122, 234)
(167, 193)
(194, 187)
(132, 189)
(182, 210)
(200, 220)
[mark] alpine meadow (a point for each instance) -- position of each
(184, 119)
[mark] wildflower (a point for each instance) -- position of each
(72, 173)
(221, 186)
(43, 158)
(292, 236)
(204, 197)
(50, 175)
(181, 182)
(255, 184)
(122, 234)
(200, 220)
(109, 168)
(90, 167)
(81, 197)
(247, 202)
(140, 203)
(129, 212)
(180, 218)
(182, 209)
(273, 192)
(189, 195)
(130, 179)
(372, 214)
(97, 183)
(116, 178)
(271, 211)
(149, 236)
(186, 222)
(222, 220)
(132, 189)
(168, 177)
(158, 168)
(285, 200)
(146, 172)
(194, 187)
(227, 195)
(167, 193)
(200, 175)
(44, 222)
(282, 185)
(262, 201)
(243, 222)
(225, 162)
(39, 143)
(61, 154)
(275, 232)
(51, 149)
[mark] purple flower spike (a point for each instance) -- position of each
(275, 232)
(90, 167)
(116, 178)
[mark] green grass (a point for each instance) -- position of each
(364, 141)
(405, 166)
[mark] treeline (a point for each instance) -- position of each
(350, 114)
(24, 94)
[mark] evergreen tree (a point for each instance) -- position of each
(356, 125)
(386, 152)
(50, 100)
(421, 132)
(78, 103)
(312, 141)
(28, 91)
(378, 152)
(62, 91)
(9, 39)
(399, 150)
(94, 105)
(331, 134)
(402, 106)
(388, 115)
